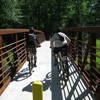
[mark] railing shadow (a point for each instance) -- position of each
(46, 83)
(74, 89)
(22, 75)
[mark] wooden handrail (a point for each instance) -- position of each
(91, 29)
(12, 31)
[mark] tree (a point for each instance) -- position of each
(49, 14)
(10, 13)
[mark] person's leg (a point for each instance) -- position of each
(66, 67)
(55, 52)
(38, 44)
(35, 60)
(64, 50)
(34, 56)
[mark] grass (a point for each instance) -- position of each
(98, 53)
(4, 61)
(11, 58)
(87, 67)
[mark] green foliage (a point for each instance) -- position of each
(98, 53)
(49, 14)
(10, 13)
(87, 67)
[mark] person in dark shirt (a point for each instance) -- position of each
(33, 43)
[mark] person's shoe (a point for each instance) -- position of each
(55, 63)
(35, 65)
(38, 45)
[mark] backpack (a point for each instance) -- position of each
(60, 38)
(32, 38)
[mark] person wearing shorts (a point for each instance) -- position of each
(59, 42)
(31, 42)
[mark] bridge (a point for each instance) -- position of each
(83, 83)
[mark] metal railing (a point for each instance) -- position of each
(85, 54)
(13, 43)
(12, 54)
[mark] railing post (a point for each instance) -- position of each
(86, 52)
(69, 48)
(25, 44)
(1, 77)
(93, 61)
(93, 50)
(13, 67)
(73, 46)
(79, 50)
(17, 53)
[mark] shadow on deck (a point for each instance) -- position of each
(74, 89)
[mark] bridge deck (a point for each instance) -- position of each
(54, 88)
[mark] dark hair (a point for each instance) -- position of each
(57, 30)
(31, 30)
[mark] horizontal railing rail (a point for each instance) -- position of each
(12, 54)
(85, 54)
(91, 29)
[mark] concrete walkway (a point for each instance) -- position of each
(54, 86)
